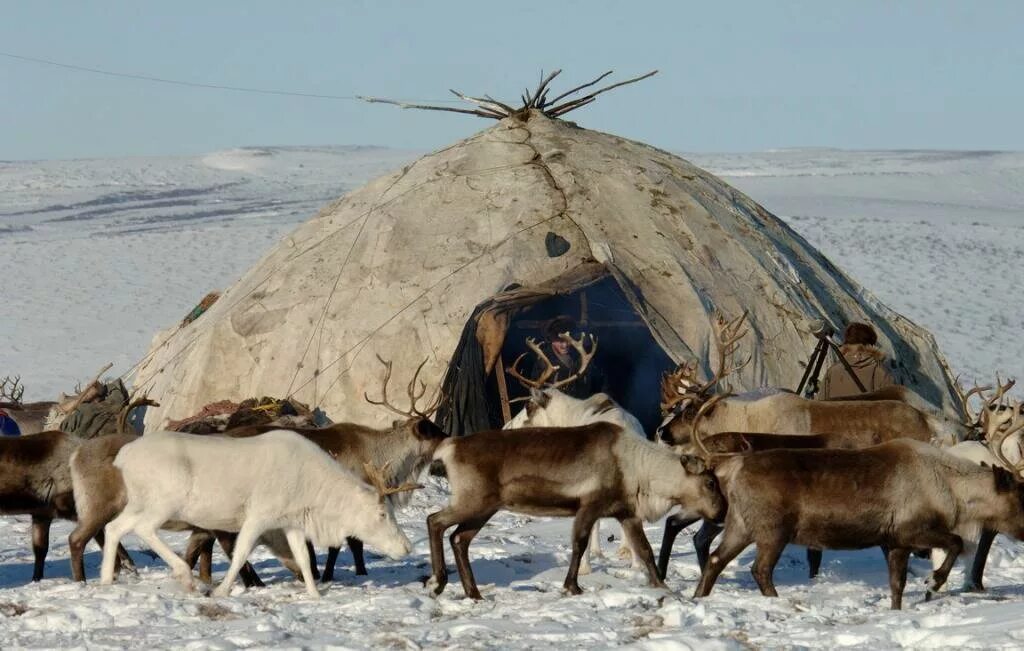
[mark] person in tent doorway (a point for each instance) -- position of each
(7, 425)
(561, 353)
(869, 363)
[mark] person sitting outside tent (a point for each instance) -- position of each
(560, 353)
(869, 363)
(7, 425)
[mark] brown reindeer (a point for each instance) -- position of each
(744, 443)
(589, 472)
(781, 411)
(846, 423)
(30, 416)
(910, 495)
(35, 480)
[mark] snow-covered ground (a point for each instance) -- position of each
(96, 255)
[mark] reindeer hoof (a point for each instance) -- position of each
(435, 585)
(221, 591)
(574, 589)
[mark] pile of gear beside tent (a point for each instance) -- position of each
(225, 414)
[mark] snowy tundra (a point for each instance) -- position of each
(278, 480)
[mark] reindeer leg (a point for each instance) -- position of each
(734, 541)
(437, 524)
(356, 547)
(702, 541)
(312, 560)
(200, 549)
(953, 547)
(244, 543)
(250, 578)
(83, 532)
(459, 540)
(332, 560)
(897, 558)
(179, 568)
(674, 525)
(633, 530)
(768, 553)
(297, 543)
(115, 530)
(813, 562)
(586, 516)
(124, 559)
(975, 583)
(40, 544)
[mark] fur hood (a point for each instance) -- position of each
(861, 355)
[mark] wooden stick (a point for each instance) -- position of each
(579, 88)
(554, 114)
(540, 89)
(568, 106)
(486, 104)
(506, 409)
(427, 107)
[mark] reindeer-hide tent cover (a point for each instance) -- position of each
(398, 267)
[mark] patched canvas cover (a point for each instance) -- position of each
(396, 268)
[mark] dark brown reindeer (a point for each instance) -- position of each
(589, 472)
(910, 495)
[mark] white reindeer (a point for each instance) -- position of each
(278, 480)
(552, 408)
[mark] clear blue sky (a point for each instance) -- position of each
(734, 75)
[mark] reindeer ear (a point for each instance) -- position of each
(693, 465)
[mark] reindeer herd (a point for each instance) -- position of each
(768, 468)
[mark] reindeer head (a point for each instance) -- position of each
(682, 392)
(1000, 419)
(979, 422)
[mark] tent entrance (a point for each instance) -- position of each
(628, 364)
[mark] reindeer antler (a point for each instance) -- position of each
(375, 477)
(130, 406)
(677, 386)
(997, 430)
(551, 368)
(16, 390)
(973, 419)
(414, 396)
(727, 335)
(698, 441)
